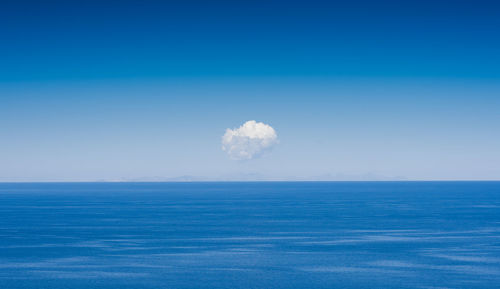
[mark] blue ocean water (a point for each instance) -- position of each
(250, 235)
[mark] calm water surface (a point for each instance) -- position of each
(250, 235)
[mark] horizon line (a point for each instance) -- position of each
(247, 181)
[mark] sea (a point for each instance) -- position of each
(250, 235)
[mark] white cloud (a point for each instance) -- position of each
(249, 140)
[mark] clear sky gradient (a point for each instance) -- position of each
(144, 90)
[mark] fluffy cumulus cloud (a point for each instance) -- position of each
(249, 140)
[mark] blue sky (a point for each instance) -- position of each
(145, 90)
